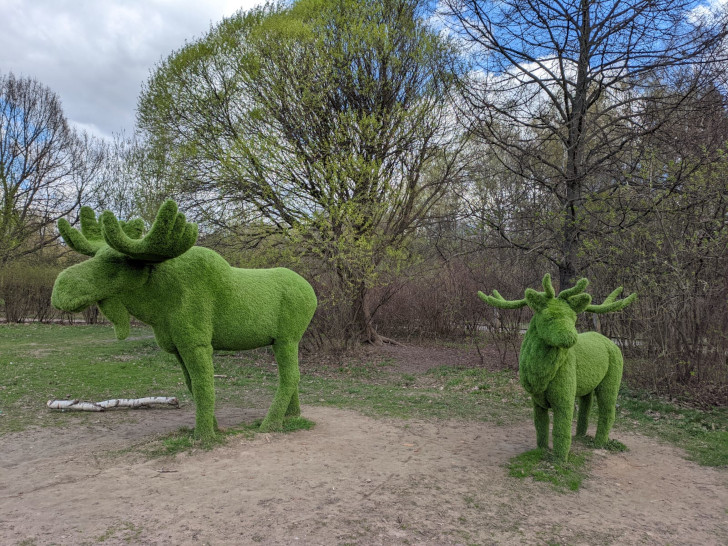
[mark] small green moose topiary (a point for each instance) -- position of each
(558, 365)
(192, 298)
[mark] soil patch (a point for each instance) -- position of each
(350, 480)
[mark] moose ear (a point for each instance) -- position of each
(535, 300)
(579, 303)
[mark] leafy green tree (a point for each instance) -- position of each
(326, 120)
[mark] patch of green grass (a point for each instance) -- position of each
(702, 434)
(292, 424)
(128, 532)
(43, 362)
(612, 445)
(445, 393)
(39, 362)
(183, 439)
(541, 466)
(364, 370)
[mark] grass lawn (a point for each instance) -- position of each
(41, 362)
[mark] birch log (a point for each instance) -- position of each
(78, 405)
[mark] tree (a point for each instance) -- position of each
(571, 95)
(128, 183)
(44, 166)
(326, 120)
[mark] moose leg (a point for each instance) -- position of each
(188, 382)
(607, 392)
(197, 361)
(285, 400)
(582, 420)
(563, 416)
(294, 407)
(607, 401)
(541, 421)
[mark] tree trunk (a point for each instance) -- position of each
(575, 158)
(364, 320)
(363, 317)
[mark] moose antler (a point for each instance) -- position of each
(496, 300)
(611, 303)
(170, 236)
(578, 288)
(548, 288)
(89, 239)
(575, 295)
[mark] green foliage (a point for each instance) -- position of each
(322, 120)
(192, 298)
(703, 434)
(184, 439)
(40, 361)
(25, 290)
(542, 466)
(557, 365)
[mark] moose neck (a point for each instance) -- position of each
(538, 362)
(146, 301)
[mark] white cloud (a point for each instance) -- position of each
(95, 54)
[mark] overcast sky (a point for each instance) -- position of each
(95, 54)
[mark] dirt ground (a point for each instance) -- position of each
(350, 480)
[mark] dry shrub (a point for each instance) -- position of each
(677, 341)
(26, 292)
(333, 323)
(443, 303)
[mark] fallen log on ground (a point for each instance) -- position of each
(78, 405)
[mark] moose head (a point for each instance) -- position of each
(193, 299)
(557, 364)
(555, 316)
(122, 259)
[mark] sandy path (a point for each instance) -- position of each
(350, 480)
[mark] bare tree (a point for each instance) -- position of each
(44, 166)
(569, 94)
(128, 183)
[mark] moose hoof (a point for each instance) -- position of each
(205, 436)
(271, 426)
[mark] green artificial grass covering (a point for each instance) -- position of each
(192, 298)
(557, 365)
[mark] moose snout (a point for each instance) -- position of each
(564, 339)
(70, 294)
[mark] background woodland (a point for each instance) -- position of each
(403, 155)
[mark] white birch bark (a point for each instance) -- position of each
(78, 405)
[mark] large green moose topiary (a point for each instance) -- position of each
(192, 298)
(558, 365)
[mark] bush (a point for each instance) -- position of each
(26, 291)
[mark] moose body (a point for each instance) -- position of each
(195, 302)
(558, 366)
(593, 365)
